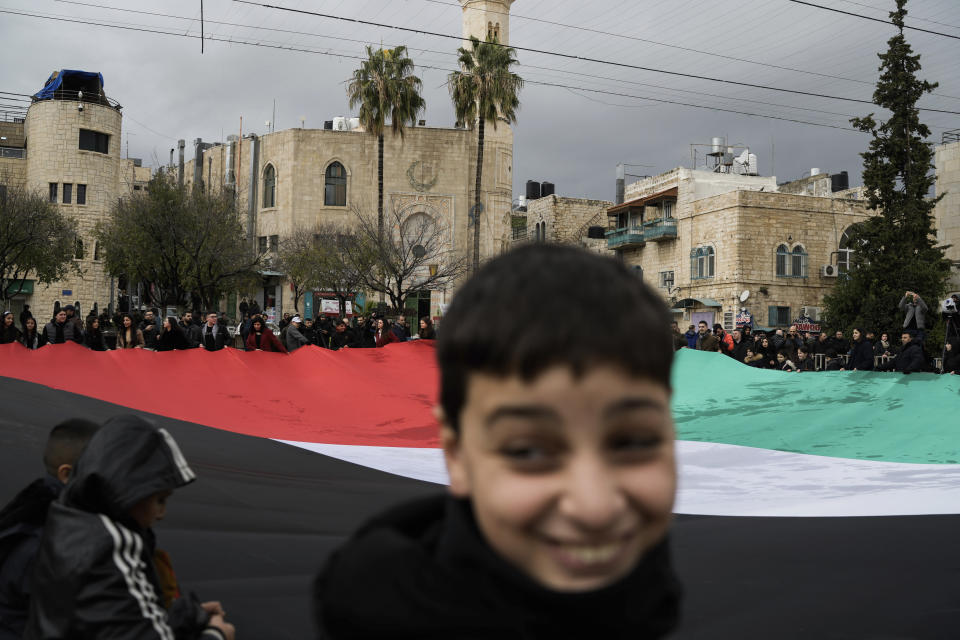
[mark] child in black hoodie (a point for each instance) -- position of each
(96, 573)
(559, 444)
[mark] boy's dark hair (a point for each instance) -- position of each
(66, 442)
(536, 307)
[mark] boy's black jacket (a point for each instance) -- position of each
(422, 570)
(94, 575)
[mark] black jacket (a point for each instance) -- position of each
(910, 359)
(218, 340)
(94, 340)
(951, 364)
(192, 333)
(150, 335)
(9, 334)
(21, 527)
(423, 570)
(173, 339)
(861, 356)
(94, 575)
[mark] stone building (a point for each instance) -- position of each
(947, 212)
(703, 239)
(298, 178)
(68, 148)
(560, 220)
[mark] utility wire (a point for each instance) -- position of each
(871, 18)
(447, 53)
(581, 58)
(712, 54)
(446, 70)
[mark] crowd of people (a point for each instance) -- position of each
(795, 350)
(209, 331)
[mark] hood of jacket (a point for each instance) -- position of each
(127, 460)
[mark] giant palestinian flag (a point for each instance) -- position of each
(813, 505)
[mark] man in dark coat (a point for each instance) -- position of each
(23, 519)
(706, 341)
(909, 360)
(190, 330)
(26, 313)
(59, 330)
(740, 346)
(75, 320)
(150, 330)
(213, 337)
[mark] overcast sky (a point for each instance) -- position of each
(569, 135)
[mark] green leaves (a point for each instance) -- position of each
(895, 251)
(485, 87)
(36, 239)
(384, 86)
(188, 244)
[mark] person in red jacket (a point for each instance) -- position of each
(261, 338)
(384, 335)
(724, 338)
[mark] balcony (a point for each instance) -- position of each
(625, 238)
(660, 230)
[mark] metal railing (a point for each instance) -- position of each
(953, 135)
(624, 236)
(519, 233)
(661, 229)
(87, 98)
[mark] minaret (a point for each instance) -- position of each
(484, 18)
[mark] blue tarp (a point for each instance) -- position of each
(75, 80)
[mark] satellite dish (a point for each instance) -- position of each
(744, 295)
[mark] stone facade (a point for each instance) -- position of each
(561, 220)
(947, 212)
(51, 133)
(737, 223)
(429, 171)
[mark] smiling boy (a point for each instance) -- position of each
(559, 443)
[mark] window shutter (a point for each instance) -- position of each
(772, 316)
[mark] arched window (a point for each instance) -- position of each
(420, 235)
(798, 268)
(78, 248)
(783, 261)
(96, 251)
(496, 32)
(702, 263)
(269, 187)
(335, 186)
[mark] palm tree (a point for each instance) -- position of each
(384, 85)
(484, 89)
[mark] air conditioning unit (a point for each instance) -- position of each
(828, 271)
(811, 312)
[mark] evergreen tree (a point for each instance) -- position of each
(894, 251)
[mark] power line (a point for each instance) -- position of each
(912, 17)
(447, 53)
(871, 18)
(445, 70)
(655, 42)
(581, 58)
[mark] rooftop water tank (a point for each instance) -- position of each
(546, 189)
(839, 182)
(533, 190)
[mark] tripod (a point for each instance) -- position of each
(952, 330)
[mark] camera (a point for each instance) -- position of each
(948, 307)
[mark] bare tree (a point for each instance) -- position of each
(414, 254)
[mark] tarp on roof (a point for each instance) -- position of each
(71, 80)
